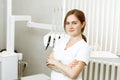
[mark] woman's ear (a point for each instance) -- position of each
(83, 24)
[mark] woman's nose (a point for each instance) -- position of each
(70, 26)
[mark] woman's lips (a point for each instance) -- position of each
(71, 30)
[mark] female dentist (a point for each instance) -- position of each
(70, 54)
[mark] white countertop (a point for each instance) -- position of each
(36, 77)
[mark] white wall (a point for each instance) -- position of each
(103, 23)
(29, 41)
(2, 26)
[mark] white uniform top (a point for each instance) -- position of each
(79, 51)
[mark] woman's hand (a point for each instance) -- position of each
(50, 61)
(74, 63)
(52, 64)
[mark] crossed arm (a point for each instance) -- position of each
(72, 70)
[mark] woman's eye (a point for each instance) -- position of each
(74, 23)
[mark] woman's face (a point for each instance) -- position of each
(73, 26)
